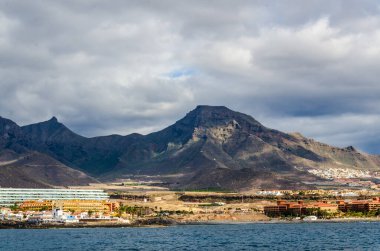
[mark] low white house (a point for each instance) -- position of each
(61, 216)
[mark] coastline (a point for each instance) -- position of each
(156, 223)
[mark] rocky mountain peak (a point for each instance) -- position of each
(8, 129)
(350, 149)
(211, 116)
(53, 120)
(7, 124)
(48, 129)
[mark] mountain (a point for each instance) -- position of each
(11, 136)
(21, 166)
(216, 147)
(211, 147)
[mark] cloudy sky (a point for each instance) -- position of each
(107, 67)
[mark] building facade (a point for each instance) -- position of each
(360, 205)
(298, 208)
(11, 196)
(71, 205)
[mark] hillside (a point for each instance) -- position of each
(36, 170)
(211, 147)
(219, 148)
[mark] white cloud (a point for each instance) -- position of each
(118, 67)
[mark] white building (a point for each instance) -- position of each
(61, 216)
(10, 196)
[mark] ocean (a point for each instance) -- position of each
(257, 236)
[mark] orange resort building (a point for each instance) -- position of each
(359, 205)
(71, 205)
(298, 208)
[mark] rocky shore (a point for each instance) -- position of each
(136, 223)
(160, 222)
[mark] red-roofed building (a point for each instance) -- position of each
(298, 208)
(360, 205)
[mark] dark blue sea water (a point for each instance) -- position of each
(303, 236)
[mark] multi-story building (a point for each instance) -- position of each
(11, 196)
(85, 205)
(298, 208)
(71, 205)
(360, 205)
(36, 205)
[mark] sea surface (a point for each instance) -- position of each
(279, 236)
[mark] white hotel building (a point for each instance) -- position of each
(10, 196)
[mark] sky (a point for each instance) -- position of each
(117, 67)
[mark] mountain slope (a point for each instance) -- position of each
(212, 146)
(36, 170)
(91, 155)
(20, 166)
(217, 147)
(11, 136)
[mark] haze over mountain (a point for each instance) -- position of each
(212, 146)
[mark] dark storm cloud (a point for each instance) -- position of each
(136, 66)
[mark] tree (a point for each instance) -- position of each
(122, 209)
(90, 213)
(377, 212)
(15, 207)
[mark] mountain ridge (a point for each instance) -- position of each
(211, 146)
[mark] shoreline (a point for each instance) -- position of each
(157, 223)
